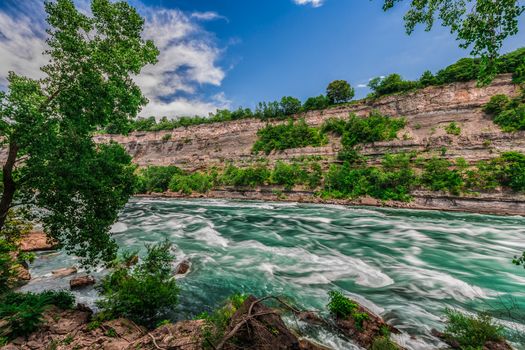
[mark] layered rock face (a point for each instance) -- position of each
(427, 111)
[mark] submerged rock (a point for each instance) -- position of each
(183, 267)
(64, 272)
(81, 282)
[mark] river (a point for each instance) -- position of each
(406, 265)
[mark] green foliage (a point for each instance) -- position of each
(285, 136)
(290, 105)
(438, 176)
(145, 294)
(392, 181)
(481, 26)
(23, 311)
(391, 84)
(257, 175)
(497, 104)
(384, 343)
(356, 130)
(509, 170)
(316, 103)
(340, 306)
(471, 332)
(166, 137)
(199, 182)
(218, 320)
(359, 318)
(508, 114)
(339, 91)
(155, 178)
(453, 129)
(79, 185)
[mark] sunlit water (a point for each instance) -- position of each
(406, 265)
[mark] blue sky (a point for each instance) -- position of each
(227, 53)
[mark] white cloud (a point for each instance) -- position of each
(313, 3)
(361, 86)
(187, 61)
(208, 16)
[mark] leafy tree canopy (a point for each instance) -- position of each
(339, 91)
(482, 25)
(53, 163)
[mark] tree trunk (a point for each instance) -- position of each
(9, 183)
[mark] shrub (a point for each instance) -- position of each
(384, 343)
(340, 306)
(355, 130)
(188, 183)
(497, 104)
(285, 136)
(290, 105)
(391, 84)
(22, 312)
(287, 175)
(155, 178)
(339, 91)
(471, 332)
(217, 321)
(145, 294)
(437, 176)
(453, 129)
(166, 137)
(428, 79)
(316, 103)
(509, 170)
(511, 119)
(246, 177)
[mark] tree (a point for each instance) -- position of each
(339, 91)
(482, 25)
(53, 167)
(290, 105)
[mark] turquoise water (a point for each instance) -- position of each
(406, 265)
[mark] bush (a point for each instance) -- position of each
(218, 321)
(290, 105)
(246, 177)
(22, 312)
(285, 136)
(471, 332)
(375, 127)
(497, 104)
(393, 83)
(155, 178)
(316, 103)
(145, 294)
(188, 183)
(340, 306)
(509, 170)
(339, 91)
(453, 129)
(437, 176)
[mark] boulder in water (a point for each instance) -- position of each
(36, 241)
(81, 282)
(64, 272)
(183, 267)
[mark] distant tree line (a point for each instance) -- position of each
(338, 92)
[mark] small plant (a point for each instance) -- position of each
(339, 305)
(93, 325)
(110, 332)
(487, 143)
(471, 332)
(359, 318)
(163, 323)
(145, 294)
(453, 129)
(68, 340)
(384, 343)
(22, 312)
(166, 137)
(417, 126)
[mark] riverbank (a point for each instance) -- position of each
(495, 203)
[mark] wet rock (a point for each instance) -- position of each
(454, 344)
(81, 282)
(64, 272)
(310, 317)
(266, 331)
(22, 275)
(365, 332)
(9, 347)
(183, 267)
(36, 241)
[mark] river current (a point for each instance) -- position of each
(406, 265)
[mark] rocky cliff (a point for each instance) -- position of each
(428, 112)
